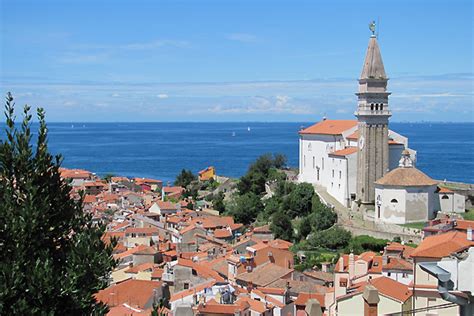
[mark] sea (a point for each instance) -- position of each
(162, 150)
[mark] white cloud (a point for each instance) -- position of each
(162, 96)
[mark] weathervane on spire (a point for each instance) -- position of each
(372, 28)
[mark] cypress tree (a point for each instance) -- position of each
(53, 259)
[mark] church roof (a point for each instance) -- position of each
(344, 152)
(402, 176)
(330, 127)
(373, 65)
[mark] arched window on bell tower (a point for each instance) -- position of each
(371, 106)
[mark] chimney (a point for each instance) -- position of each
(324, 267)
(469, 233)
(371, 300)
(351, 265)
(313, 308)
(341, 264)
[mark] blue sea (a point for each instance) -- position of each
(161, 150)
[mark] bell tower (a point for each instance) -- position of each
(372, 114)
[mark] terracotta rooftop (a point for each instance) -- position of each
(135, 293)
(264, 274)
(303, 298)
(442, 245)
(344, 152)
(406, 177)
(330, 127)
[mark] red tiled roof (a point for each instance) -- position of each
(464, 224)
(90, 199)
(442, 245)
(179, 295)
(222, 233)
(330, 127)
(303, 298)
(147, 181)
(142, 230)
(354, 136)
(135, 293)
(141, 267)
(398, 264)
(391, 288)
(75, 173)
(444, 190)
(344, 152)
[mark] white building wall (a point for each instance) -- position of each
(399, 277)
(386, 209)
(338, 179)
(314, 155)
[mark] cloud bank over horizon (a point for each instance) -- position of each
(446, 97)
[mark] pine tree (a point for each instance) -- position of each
(52, 260)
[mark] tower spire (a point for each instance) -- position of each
(373, 65)
(372, 114)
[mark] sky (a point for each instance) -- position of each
(100, 61)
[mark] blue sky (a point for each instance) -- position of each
(233, 60)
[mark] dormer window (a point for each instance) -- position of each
(394, 201)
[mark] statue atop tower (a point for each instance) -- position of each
(372, 114)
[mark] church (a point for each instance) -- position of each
(365, 162)
(346, 157)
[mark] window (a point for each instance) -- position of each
(333, 173)
(405, 275)
(445, 197)
(322, 163)
(376, 107)
(304, 161)
(389, 274)
(371, 106)
(317, 173)
(313, 162)
(340, 174)
(394, 201)
(378, 211)
(332, 184)
(339, 185)
(309, 147)
(381, 107)
(186, 286)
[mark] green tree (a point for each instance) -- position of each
(53, 259)
(259, 173)
(299, 201)
(281, 226)
(363, 243)
(332, 238)
(218, 202)
(279, 161)
(304, 228)
(184, 178)
(108, 177)
(322, 217)
(246, 208)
